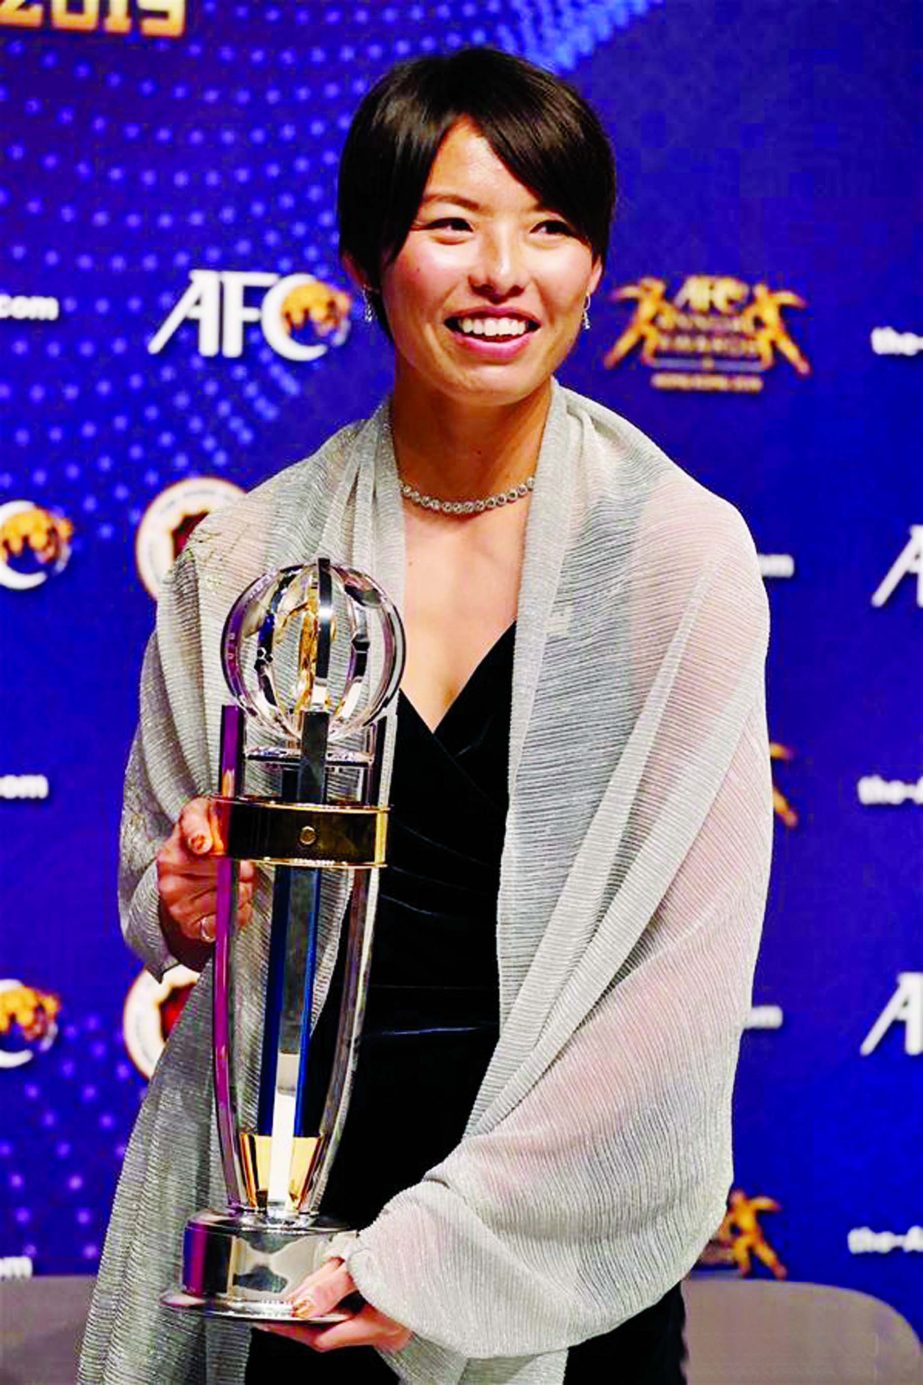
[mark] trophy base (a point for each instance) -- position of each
(241, 1265)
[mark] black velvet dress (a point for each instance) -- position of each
(431, 1017)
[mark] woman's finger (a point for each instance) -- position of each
(192, 912)
(202, 930)
(189, 896)
(195, 892)
(367, 1328)
(298, 1332)
(175, 858)
(318, 1276)
(321, 1292)
(195, 827)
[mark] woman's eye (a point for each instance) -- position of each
(555, 226)
(450, 223)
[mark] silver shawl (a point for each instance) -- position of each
(597, 1157)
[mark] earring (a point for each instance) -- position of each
(586, 314)
(368, 313)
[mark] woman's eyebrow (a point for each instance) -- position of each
(455, 197)
(472, 206)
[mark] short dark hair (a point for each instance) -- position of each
(538, 126)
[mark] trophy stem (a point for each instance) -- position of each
(232, 741)
(352, 1009)
(349, 1032)
(300, 947)
(299, 922)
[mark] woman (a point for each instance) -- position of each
(581, 802)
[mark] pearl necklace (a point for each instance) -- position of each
(467, 507)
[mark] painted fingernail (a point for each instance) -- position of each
(200, 842)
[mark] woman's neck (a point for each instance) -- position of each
(459, 451)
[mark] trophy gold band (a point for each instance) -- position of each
(298, 649)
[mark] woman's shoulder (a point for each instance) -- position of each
(671, 507)
(276, 523)
(287, 489)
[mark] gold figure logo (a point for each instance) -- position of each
(780, 803)
(717, 334)
(743, 1237)
(653, 318)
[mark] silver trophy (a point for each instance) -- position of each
(298, 650)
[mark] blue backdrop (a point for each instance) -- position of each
(172, 311)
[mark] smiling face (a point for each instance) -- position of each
(486, 295)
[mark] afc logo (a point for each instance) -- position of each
(905, 1007)
(300, 316)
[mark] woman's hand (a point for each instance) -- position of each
(187, 882)
(321, 1292)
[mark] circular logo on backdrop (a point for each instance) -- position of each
(34, 544)
(27, 1022)
(169, 520)
(303, 316)
(151, 1011)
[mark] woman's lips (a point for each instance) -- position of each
(491, 348)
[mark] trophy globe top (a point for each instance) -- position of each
(305, 639)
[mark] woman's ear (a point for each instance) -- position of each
(595, 276)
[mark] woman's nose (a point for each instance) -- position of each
(499, 270)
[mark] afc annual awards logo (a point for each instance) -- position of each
(300, 317)
(717, 334)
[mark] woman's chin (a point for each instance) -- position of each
(490, 384)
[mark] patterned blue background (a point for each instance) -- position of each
(770, 141)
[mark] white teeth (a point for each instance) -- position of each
(493, 326)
